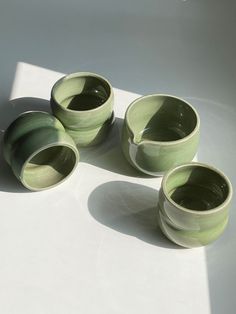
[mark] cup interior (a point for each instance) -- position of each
(196, 187)
(161, 118)
(48, 167)
(81, 92)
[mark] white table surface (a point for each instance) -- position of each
(91, 244)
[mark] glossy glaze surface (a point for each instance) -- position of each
(39, 151)
(159, 132)
(82, 100)
(92, 136)
(193, 204)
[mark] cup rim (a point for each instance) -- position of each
(203, 165)
(7, 149)
(165, 143)
(75, 151)
(81, 74)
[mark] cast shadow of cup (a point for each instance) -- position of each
(9, 111)
(130, 209)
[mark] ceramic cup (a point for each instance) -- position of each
(160, 132)
(193, 205)
(94, 136)
(83, 102)
(39, 151)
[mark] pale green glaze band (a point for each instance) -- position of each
(193, 204)
(160, 132)
(90, 137)
(39, 151)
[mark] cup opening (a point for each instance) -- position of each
(81, 93)
(49, 167)
(196, 187)
(161, 118)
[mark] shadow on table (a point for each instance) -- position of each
(9, 111)
(217, 147)
(130, 209)
(109, 155)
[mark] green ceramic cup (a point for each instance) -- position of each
(193, 204)
(39, 151)
(93, 136)
(160, 132)
(82, 100)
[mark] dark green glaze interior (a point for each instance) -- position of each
(197, 187)
(161, 118)
(81, 93)
(49, 167)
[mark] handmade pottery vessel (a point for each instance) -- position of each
(193, 204)
(39, 151)
(92, 136)
(160, 132)
(82, 100)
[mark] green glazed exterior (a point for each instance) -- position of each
(194, 227)
(155, 157)
(74, 84)
(39, 151)
(90, 137)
